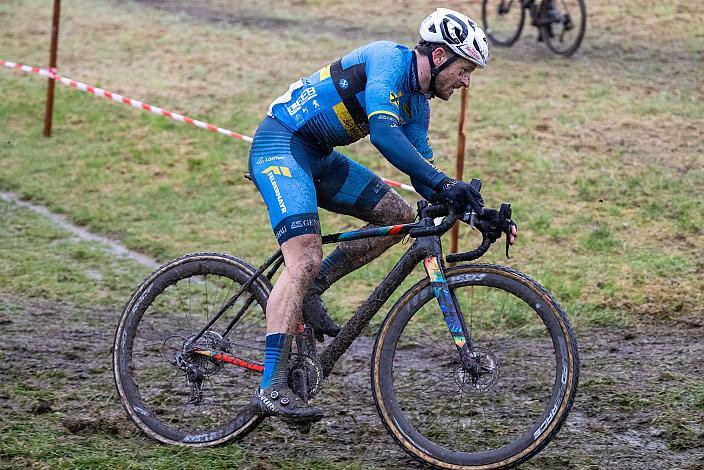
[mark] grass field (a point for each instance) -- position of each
(601, 155)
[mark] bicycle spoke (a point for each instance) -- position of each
(205, 282)
(190, 299)
(513, 334)
(429, 387)
(438, 415)
(448, 353)
(186, 312)
(227, 295)
(214, 296)
(172, 406)
(490, 398)
(471, 315)
(503, 309)
(459, 410)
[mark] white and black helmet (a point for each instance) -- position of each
(457, 31)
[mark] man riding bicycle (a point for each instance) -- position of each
(382, 90)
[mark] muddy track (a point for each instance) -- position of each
(265, 22)
(615, 423)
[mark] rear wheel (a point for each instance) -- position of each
(564, 33)
(496, 408)
(503, 20)
(174, 395)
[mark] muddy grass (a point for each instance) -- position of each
(640, 402)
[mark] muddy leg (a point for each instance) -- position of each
(352, 255)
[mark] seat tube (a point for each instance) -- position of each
(448, 303)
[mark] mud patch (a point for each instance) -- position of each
(261, 22)
(640, 401)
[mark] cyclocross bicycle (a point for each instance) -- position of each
(561, 23)
(475, 366)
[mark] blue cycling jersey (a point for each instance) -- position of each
(333, 105)
(372, 90)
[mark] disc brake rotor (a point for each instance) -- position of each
(479, 372)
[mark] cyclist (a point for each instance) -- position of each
(382, 90)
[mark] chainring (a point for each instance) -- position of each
(310, 366)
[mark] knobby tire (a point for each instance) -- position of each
(428, 402)
(170, 305)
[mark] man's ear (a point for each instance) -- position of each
(438, 56)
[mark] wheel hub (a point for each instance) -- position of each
(478, 371)
(196, 366)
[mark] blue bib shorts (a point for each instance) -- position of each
(296, 176)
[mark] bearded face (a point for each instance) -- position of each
(455, 75)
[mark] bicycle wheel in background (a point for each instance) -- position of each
(564, 35)
(503, 20)
(496, 410)
(176, 396)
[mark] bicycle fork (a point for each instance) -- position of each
(449, 306)
(475, 367)
(473, 364)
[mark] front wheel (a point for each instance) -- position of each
(505, 403)
(172, 392)
(568, 21)
(503, 20)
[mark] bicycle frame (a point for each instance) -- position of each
(425, 248)
(538, 11)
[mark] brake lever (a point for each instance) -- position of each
(469, 218)
(506, 224)
(508, 237)
(493, 232)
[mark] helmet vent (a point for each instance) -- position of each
(476, 46)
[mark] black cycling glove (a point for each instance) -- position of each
(458, 195)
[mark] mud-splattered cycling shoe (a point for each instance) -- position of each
(316, 315)
(280, 401)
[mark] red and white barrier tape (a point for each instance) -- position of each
(147, 107)
(123, 99)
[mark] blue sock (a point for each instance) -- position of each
(278, 347)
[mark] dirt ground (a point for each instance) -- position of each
(617, 420)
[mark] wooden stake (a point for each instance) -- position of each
(459, 164)
(52, 65)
